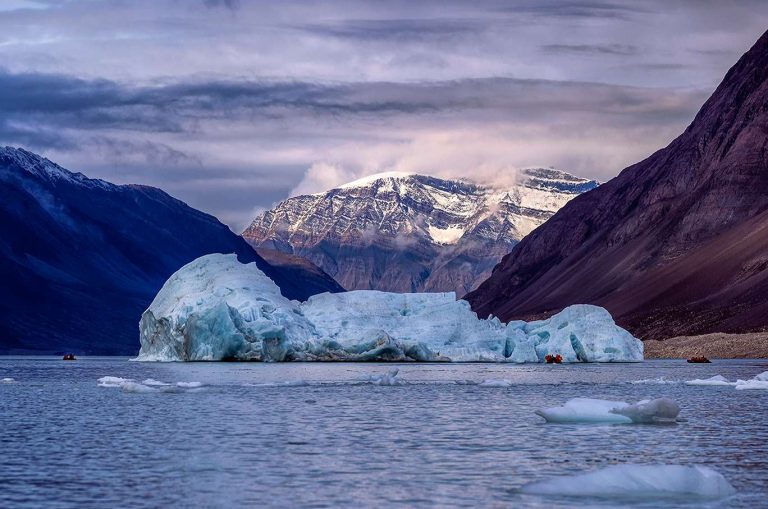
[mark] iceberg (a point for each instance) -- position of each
(644, 481)
(216, 308)
(593, 411)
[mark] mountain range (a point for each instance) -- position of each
(403, 232)
(81, 259)
(676, 244)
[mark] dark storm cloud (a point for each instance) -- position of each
(60, 108)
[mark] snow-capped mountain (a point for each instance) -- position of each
(404, 232)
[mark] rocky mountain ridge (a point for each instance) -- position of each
(405, 232)
(676, 244)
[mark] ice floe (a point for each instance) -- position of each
(388, 378)
(714, 380)
(759, 381)
(643, 481)
(589, 411)
(495, 383)
(751, 384)
(7, 380)
(654, 381)
(653, 411)
(148, 385)
(216, 308)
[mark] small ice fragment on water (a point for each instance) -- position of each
(389, 378)
(763, 377)
(654, 381)
(585, 411)
(8, 380)
(189, 385)
(151, 381)
(647, 481)
(112, 381)
(495, 383)
(715, 380)
(656, 411)
(136, 387)
(588, 411)
(755, 383)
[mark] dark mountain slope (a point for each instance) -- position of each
(676, 244)
(80, 259)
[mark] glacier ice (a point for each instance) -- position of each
(646, 481)
(216, 308)
(590, 411)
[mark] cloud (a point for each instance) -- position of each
(579, 9)
(233, 105)
(598, 49)
(397, 30)
(321, 177)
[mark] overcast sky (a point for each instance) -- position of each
(232, 105)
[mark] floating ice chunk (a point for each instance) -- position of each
(287, 383)
(389, 378)
(654, 381)
(715, 380)
(136, 387)
(585, 410)
(645, 481)
(112, 381)
(8, 380)
(763, 377)
(189, 385)
(656, 411)
(751, 384)
(495, 383)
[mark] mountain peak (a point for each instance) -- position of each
(370, 179)
(408, 232)
(44, 168)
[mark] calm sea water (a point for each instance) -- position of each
(66, 442)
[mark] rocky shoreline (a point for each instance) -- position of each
(714, 346)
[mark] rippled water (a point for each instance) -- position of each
(66, 442)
